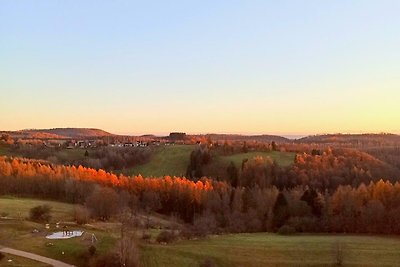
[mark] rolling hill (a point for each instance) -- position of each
(241, 138)
(58, 133)
(72, 132)
(382, 138)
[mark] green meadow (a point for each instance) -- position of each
(264, 249)
(166, 160)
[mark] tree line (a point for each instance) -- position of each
(319, 168)
(213, 206)
(107, 158)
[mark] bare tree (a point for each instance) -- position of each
(103, 203)
(128, 251)
(338, 254)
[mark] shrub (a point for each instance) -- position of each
(304, 224)
(92, 250)
(103, 203)
(146, 236)
(40, 213)
(286, 230)
(81, 214)
(3, 214)
(110, 259)
(207, 263)
(187, 233)
(166, 237)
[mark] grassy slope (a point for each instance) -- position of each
(63, 154)
(19, 207)
(4, 150)
(19, 261)
(19, 234)
(167, 160)
(261, 249)
(273, 250)
(71, 154)
(173, 160)
(282, 158)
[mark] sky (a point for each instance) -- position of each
(272, 67)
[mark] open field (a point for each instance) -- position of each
(166, 160)
(71, 154)
(20, 234)
(173, 160)
(63, 155)
(19, 208)
(282, 158)
(4, 151)
(260, 249)
(263, 249)
(19, 262)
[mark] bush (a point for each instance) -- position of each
(92, 250)
(187, 233)
(103, 203)
(207, 263)
(146, 236)
(304, 224)
(40, 213)
(107, 260)
(286, 230)
(166, 237)
(81, 214)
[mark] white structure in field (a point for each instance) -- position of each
(62, 235)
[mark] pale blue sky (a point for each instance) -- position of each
(201, 66)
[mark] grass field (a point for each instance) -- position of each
(173, 160)
(19, 207)
(3, 151)
(62, 154)
(19, 262)
(275, 250)
(19, 234)
(282, 158)
(260, 249)
(166, 160)
(71, 154)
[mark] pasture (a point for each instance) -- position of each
(282, 158)
(166, 160)
(4, 151)
(15, 232)
(19, 208)
(15, 261)
(264, 249)
(258, 249)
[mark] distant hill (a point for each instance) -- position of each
(58, 133)
(352, 138)
(69, 132)
(238, 137)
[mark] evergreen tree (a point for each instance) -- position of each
(281, 211)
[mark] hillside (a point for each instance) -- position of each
(358, 139)
(57, 133)
(239, 137)
(167, 160)
(71, 132)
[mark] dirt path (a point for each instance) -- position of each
(35, 257)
